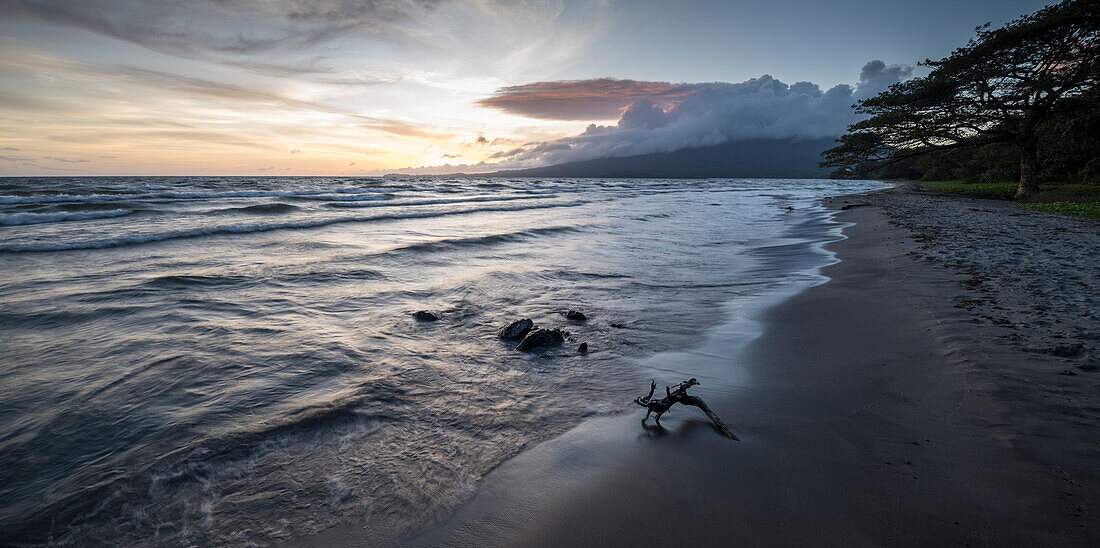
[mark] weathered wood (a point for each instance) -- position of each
(679, 395)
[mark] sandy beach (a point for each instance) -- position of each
(940, 389)
(420, 273)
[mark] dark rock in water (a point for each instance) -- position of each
(575, 316)
(516, 330)
(425, 316)
(618, 326)
(583, 348)
(1066, 351)
(541, 337)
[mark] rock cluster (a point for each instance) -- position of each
(531, 337)
(525, 331)
(516, 330)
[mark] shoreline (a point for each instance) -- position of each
(730, 325)
(875, 410)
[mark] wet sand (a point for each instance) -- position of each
(880, 408)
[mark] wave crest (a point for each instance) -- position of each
(19, 219)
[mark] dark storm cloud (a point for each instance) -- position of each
(598, 99)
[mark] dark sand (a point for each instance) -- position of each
(873, 411)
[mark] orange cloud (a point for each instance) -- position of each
(596, 99)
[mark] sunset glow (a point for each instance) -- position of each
(334, 88)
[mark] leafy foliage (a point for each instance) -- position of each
(996, 89)
(1069, 152)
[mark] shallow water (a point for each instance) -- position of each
(234, 361)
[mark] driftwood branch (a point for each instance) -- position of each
(678, 395)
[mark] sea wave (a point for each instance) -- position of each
(357, 197)
(18, 219)
(173, 476)
(442, 201)
(491, 239)
(276, 207)
(61, 198)
(258, 227)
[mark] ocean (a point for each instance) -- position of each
(234, 361)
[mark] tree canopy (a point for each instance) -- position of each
(997, 88)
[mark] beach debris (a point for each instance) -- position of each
(540, 338)
(678, 395)
(425, 316)
(583, 348)
(575, 316)
(516, 330)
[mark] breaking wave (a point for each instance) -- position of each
(19, 219)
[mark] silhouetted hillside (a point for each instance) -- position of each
(753, 158)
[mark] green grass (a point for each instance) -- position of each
(1066, 199)
(1004, 191)
(1090, 210)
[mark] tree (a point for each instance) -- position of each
(997, 88)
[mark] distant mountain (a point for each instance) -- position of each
(795, 158)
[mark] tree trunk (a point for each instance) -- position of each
(679, 395)
(1029, 167)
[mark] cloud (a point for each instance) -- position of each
(689, 115)
(187, 28)
(877, 76)
(187, 86)
(65, 160)
(324, 75)
(598, 99)
(178, 85)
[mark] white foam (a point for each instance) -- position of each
(96, 198)
(443, 201)
(17, 219)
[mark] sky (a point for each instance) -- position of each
(366, 87)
